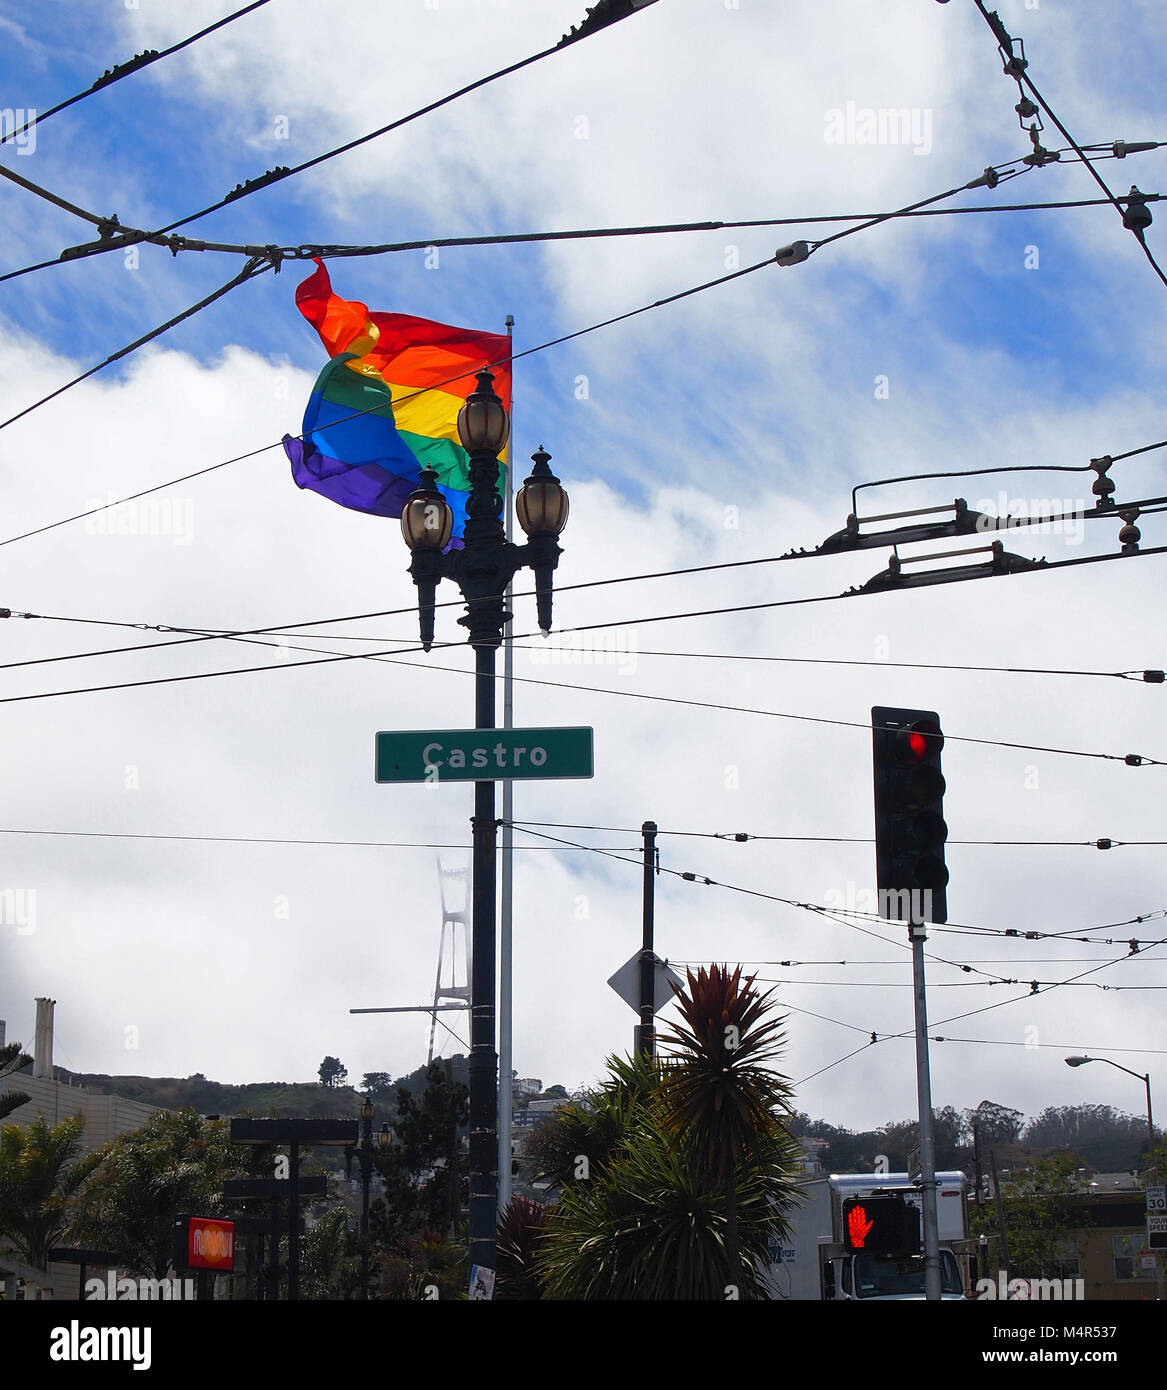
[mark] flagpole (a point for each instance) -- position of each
(505, 1064)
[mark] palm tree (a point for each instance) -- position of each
(652, 1227)
(720, 1092)
(647, 1221)
(11, 1060)
(584, 1139)
(41, 1174)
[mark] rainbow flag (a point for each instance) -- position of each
(404, 380)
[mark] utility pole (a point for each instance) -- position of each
(932, 1287)
(644, 1037)
(506, 1098)
(1000, 1203)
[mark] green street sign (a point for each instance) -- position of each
(482, 755)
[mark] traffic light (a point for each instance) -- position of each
(881, 1225)
(909, 815)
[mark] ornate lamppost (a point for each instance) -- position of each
(483, 569)
(364, 1155)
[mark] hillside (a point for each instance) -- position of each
(281, 1098)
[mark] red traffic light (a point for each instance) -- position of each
(923, 740)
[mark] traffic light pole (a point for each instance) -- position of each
(645, 1040)
(917, 936)
(912, 879)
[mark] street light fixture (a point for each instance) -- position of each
(482, 569)
(1145, 1078)
(364, 1154)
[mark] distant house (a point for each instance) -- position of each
(1104, 1240)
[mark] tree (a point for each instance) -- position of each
(1102, 1136)
(12, 1059)
(995, 1124)
(377, 1085)
(640, 1219)
(332, 1072)
(581, 1140)
(176, 1162)
(898, 1139)
(330, 1259)
(520, 1229)
(41, 1173)
(1042, 1207)
(719, 1089)
(667, 1194)
(423, 1168)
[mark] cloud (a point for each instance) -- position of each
(724, 428)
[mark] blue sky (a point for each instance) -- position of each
(761, 395)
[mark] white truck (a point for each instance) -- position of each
(820, 1262)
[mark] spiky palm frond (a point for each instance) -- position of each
(520, 1228)
(41, 1172)
(653, 1228)
(718, 1083)
(595, 1130)
(12, 1059)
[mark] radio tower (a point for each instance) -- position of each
(453, 918)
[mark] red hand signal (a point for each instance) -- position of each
(858, 1226)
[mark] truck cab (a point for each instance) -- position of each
(819, 1260)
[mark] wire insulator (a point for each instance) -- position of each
(1103, 844)
(1137, 216)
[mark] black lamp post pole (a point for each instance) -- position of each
(366, 1153)
(488, 562)
(482, 569)
(483, 1058)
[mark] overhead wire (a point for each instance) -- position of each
(528, 352)
(124, 69)
(249, 272)
(393, 655)
(841, 915)
(1016, 67)
(741, 837)
(242, 839)
(133, 236)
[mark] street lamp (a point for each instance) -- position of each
(482, 569)
(364, 1153)
(1144, 1078)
